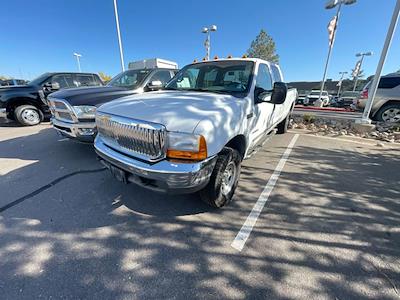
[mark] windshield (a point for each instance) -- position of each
(350, 94)
(316, 93)
(39, 80)
(130, 79)
(230, 77)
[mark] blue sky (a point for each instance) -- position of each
(41, 35)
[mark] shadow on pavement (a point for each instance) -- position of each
(331, 230)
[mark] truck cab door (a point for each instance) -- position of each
(263, 111)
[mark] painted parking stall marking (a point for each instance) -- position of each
(244, 233)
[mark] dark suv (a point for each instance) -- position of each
(12, 82)
(27, 104)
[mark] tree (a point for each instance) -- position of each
(263, 47)
(3, 77)
(104, 77)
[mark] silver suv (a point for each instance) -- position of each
(386, 106)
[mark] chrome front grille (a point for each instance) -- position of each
(134, 137)
(61, 110)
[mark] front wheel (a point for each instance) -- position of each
(389, 113)
(224, 178)
(28, 115)
(284, 125)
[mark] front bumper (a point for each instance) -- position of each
(163, 176)
(81, 131)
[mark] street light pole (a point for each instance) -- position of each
(372, 91)
(207, 42)
(121, 54)
(359, 70)
(341, 82)
(77, 55)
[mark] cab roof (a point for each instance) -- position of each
(256, 60)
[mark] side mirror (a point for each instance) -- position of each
(155, 85)
(261, 95)
(279, 93)
(52, 86)
(55, 86)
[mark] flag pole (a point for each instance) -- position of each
(330, 51)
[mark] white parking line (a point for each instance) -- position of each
(244, 233)
(63, 140)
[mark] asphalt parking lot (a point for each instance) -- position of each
(329, 229)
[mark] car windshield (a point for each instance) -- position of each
(350, 94)
(316, 93)
(130, 79)
(228, 77)
(39, 80)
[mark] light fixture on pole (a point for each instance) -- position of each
(340, 82)
(77, 55)
(207, 42)
(374, 85)
(332, 27)
(357, 69)
(121, 53)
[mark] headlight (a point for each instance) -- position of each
(85, 111)
(186, 146)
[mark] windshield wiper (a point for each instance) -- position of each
(199, 90)
(214, 91)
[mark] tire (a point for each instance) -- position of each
(28, 115)
(283, 126)
(389, 113)
(217, 193)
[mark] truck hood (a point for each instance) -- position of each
(178, 110)
(92, 95)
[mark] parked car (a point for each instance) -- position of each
(193, 135)
(12, 82)
(74, 110)
(300, 99)
(27, 104)
(347, 98)
(314, 95)
(386, 105)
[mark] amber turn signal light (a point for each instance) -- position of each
(201, 154)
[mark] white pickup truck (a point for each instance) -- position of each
(193, 135)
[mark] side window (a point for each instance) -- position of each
(163, 76)
(210, 77)
(389, 82)
(188, 79)
(264, 78)
(276, 73)
(63, 80)
(86, 80)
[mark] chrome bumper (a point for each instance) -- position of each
(163, 176)
(3, 113)
(82, 131)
